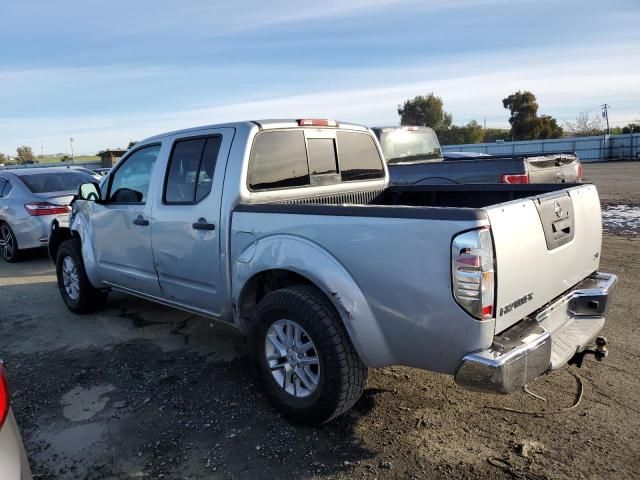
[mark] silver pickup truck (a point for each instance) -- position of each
(288, 230)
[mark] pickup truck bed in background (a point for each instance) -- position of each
(414, 157)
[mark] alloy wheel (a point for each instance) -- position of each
(70, 278)
(7, 242)
(292, 358)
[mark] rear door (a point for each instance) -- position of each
(544, 245)
(186, 217)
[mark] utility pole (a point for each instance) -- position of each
(41, 151)
(605, 114)
(72, 156)
(605, 140)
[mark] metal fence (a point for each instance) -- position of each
(589, 149)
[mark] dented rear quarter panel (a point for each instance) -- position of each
(389, 278)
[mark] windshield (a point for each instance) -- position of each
(55, 182)
(400, 146)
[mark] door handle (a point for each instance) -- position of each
(141, 221)
(202, 224)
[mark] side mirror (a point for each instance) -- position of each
(89, 191)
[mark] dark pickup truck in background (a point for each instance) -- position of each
(414, 157)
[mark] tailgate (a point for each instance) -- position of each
(544, 245)
(552, 169)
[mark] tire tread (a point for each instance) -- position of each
(350, 371)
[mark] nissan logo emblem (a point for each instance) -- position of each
(557, 208)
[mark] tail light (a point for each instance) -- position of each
(4, 396)
(45, 208)
(580, 172)
(317, 122)
(473, 272)
(514, 178)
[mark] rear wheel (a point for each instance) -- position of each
(311, 370)
(8, 244)
(76, 289)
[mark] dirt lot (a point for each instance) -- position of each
(144, 391)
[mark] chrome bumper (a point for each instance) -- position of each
(543, 342)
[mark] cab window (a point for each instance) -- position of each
(278, 160)
(190, 171)
(130, 182)
(358, 157)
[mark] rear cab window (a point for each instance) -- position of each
(308, 157)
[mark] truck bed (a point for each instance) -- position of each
(541, 168)
(461, 196)
(550, 231)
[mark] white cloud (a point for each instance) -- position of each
(565, 82)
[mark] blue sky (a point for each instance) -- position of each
(108, 72)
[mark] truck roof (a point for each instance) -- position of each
(400, 127)
(265, 124)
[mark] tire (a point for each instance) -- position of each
(8, 244)
(78, 293)
(338, 371)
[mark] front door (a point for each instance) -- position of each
(121, 228)
(185, 229)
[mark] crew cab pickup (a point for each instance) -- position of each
(414, 157)
(289, 231)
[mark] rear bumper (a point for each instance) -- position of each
(34, 231)
(544, 342)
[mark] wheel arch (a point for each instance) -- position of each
(57, 235)
(76, 228)
(307, 263)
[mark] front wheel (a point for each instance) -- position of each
(76, 289)
(311, 370)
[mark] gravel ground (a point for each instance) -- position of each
(144, 391)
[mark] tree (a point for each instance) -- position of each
(131, 144)
(424, 111)
(3, 158)
(493, 134)
(525, 122)
(548, 127)
(585, 125)
(633, 127)
(25, 154)
(472, 132)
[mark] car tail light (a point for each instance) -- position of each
(4, 396)
(473, 272)
(44, 208)
(514, 178)
(580, 172)
(317, 122)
